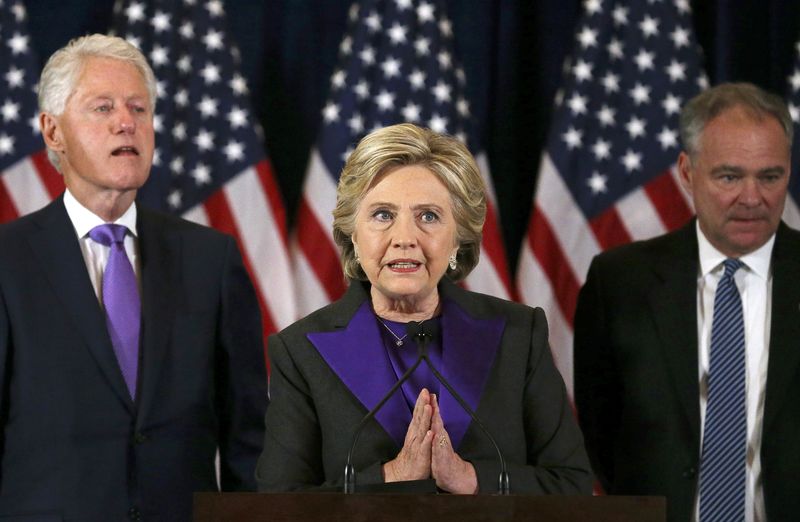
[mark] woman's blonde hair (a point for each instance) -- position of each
(405, 145)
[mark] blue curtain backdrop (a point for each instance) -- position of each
(512, 52)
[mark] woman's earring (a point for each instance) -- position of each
(453, 263)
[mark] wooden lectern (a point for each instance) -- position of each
(300, 507)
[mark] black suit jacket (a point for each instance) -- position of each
(74, 445)
(313, 414)
(636, 372)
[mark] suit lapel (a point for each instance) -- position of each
(784, 345)
(355, 352)
(160, 250)
(469, 349)
(57, 251)
(673, 304)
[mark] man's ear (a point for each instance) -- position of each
(685, 172)
(51, 132)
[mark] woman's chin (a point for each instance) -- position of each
(404, 289)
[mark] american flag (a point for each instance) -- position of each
(396, 64)
(607, 175)
(209, 164)
(791, 213)
(27, 180)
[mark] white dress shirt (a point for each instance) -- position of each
(754, 281)
(95, 254)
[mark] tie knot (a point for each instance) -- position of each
(108, 234)
(731, 266)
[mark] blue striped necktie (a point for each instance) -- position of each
(723, 464)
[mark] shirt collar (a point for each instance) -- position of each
(757, 261)
(83, 219)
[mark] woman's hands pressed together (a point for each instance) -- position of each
(428, 452)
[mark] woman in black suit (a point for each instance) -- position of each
(409, 215)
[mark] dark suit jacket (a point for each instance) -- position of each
(636, 373)
(495, 353)
(74, 446)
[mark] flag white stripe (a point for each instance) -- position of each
(791, 213)
(197, 214)
(309, 292)
(527, 280)
(571, 230)
(483, 167)
(536, 290)
(25, 187)
(485, 279)
(639, 216)
(320, 191)
(263, 244)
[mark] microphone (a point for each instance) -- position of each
(423, 334)
(349, 471)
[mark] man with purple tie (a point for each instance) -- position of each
(130, 341)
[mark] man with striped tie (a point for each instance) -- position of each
(130, 341)
(687, 346)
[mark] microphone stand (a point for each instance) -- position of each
(503, 487)
(349, 471)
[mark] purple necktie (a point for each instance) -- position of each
(121, 301)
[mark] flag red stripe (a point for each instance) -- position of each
(221, 218)
(666, 196)
(8, 210)
(609, 229)
(554, 263)
(493, 243)
(320, 253)
(275, 202)
(49, 176)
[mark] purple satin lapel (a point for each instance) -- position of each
(357, 355)
(469, 349)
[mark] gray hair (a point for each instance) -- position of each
(714, 101)
(62, 70)
(404, 145)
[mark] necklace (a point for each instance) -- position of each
(398, 340)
